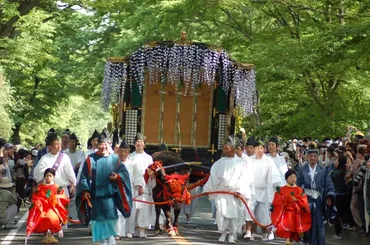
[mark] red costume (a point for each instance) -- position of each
(49, 209)
(290, 217)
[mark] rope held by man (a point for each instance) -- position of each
(170, 202)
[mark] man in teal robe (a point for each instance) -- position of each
(103, 188)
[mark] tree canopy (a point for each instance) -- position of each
(312, 57)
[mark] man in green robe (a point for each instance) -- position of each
(104, 187)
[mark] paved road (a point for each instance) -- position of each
(201, 232)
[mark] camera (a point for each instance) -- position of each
(367, 157)
(360, 176)
(300, 143)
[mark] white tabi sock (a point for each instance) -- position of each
(112, 240)
(223, 236)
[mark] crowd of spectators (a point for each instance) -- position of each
(15, 165)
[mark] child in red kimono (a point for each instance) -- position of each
(49, 209)
(290, 212)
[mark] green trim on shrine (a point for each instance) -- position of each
(221, 99)
(135, 96)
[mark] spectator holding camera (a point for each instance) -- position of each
(362, 172)
(4, 167)
(300, 153)
(11, 159)
(361, 183)
(332, 156)
(367, 196)
(357, 201)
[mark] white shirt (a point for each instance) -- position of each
(75, 157)
(64, 175)
(312, 171)
(281, 166)
(90, 151)
(266, 177)
(141, 161)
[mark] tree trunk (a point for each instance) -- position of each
(257, 113)
(16, 138)
(7, 29)
(341, 13)
(328, 13)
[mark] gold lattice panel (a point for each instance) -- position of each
(150, 113)
(151, 108)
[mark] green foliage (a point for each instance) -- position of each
(9, 9)
(79, 115)
(312, 58)
(28, 65)
(308, 82)
(6, 102)
(309, 60)
(45, 66)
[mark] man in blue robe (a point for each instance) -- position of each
(105, 182)
(318, 186)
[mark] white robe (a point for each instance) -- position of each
(143, 212)
(248, 177)
(86, 154)
(127, 225)
(75, 157)
(267, 177)
(64, 175)
(227, 174)
(281, 166)
(90, 151)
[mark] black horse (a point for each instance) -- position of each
(173, 176)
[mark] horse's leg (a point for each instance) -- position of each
(169, 226)
(157, 228)
(156, 190)
(176, 221)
